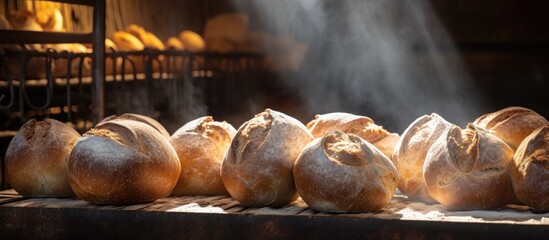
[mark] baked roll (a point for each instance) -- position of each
(361, 126)
(141, 118)
(531, 172)
(343, 173)
(192, 41)
(511, 124)
(121, 162)
(50, 19)
(410, 152)
(175, 43)
(257, 169)
(127, 42)
(201, 145)
(469, 169)
(37, 157)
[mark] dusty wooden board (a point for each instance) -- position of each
(165, 218)
(11, 199)
(399, 208)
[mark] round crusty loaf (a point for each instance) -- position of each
(141, 118)
(123, 162)
(344, 173)
(469, 169)
(531, 172)
(36, 159)
(511, 124)
(361, 126)
(201, 145)
(257, 169)
(410, 152)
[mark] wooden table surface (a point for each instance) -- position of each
(217, 217)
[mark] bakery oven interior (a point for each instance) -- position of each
(392, 61)
(389, 61)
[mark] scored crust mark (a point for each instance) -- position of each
(446, 180)
(252, 136)
(463, 147)
(35, 130)
(368, 130)
(495, 170)
(115, 133)
(343, 149)
(506, 114)
(218, 132)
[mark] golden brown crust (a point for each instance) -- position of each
(127, 42)
(257, 169)
(201, 145)
(153, 42)
(462, 162)
(123, 162)
(174, 43)
(531, 171)
(192, 41)
(361, 126)
(410, 152)
(36, 159)
(140, 118)
(343, 173)
(511, 124)
(50, 19)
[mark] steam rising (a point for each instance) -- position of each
(377, 58)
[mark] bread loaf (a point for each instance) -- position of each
(361, 126)
(410, 152)
(174, 43)
(139, 32)
(511, 124)
(192, 41)
(123, 162)
(127, 42)
(141, 118)
(469, 169)
(36, 159)
(531, 171)
(50, 19)
(257, 169)
(201, 145)
(343, 173)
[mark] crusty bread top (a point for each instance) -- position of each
(253, 135)
(140, 118)
(511, 124)
(362, 126)
(534, 149)
(217, 132)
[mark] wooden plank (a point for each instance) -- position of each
(21, 203)
(287, 210)
(137, 206)
(233, 203)
(11, 199)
